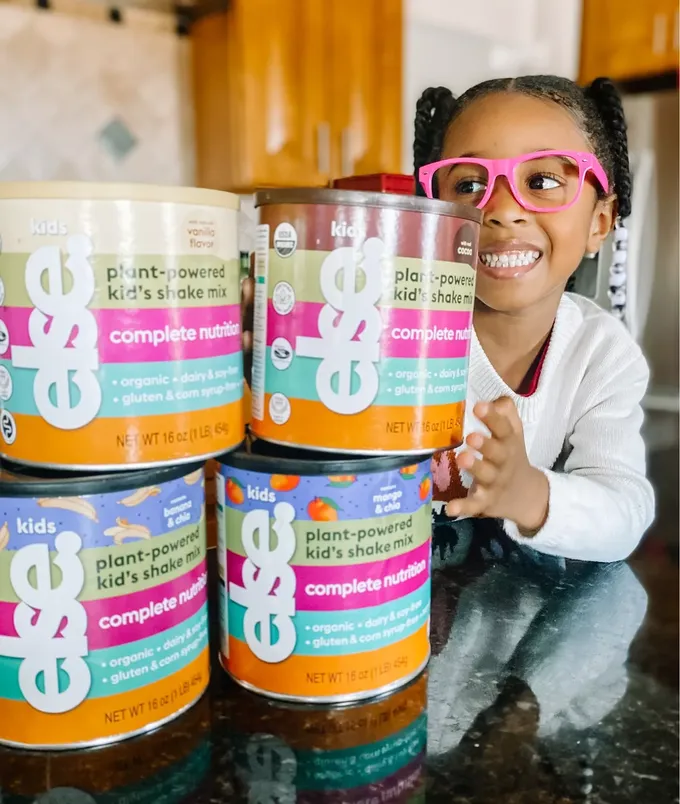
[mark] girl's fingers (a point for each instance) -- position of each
(491, 449)
(472, 505)
(496, 420)
(247, 314)
(247, 290)
(465, 460)
(484, 472)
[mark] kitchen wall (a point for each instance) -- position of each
(458, 43)
(653, 124)
(83, 98)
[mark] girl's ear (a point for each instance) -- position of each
(601, 224)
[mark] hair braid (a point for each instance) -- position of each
(607, 99)
(604, 94)
(433, 112)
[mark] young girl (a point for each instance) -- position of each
(553, 446)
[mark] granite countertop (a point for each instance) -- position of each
(543, 687)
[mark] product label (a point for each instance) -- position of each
(327, 579)
(103, 612)
(260, 320)
(121, 335)
(364, 334)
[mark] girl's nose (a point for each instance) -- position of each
(502, 208)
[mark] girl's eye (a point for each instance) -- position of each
(543, 181)
(470, 187)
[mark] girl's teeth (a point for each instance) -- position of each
(511, 259)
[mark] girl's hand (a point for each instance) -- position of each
(505, 485)
(247, 289)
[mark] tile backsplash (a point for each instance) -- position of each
(87, 99)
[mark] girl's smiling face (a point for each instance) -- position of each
(505, 125)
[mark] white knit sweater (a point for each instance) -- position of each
(582, 428)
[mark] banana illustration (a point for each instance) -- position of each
(138, 497)
(194, 477)
(4, 536)
(76, 505)
(126, 530)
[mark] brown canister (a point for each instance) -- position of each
(169, 765)
(364, 754)
(362, 321)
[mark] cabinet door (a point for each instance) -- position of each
(626, 39)
(366, 83)
(260, 95)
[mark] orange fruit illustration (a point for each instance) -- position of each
(409, 472)
(284, 482)
(424, 488)
(234, 491)
(342, 480)
(323, 509)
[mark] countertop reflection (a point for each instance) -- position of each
(531, 695)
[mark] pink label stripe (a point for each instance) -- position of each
(118, 620)
(397, 788)
(143, 336)
(406, 333)
(349, 587)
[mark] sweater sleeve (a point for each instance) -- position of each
(602, 503)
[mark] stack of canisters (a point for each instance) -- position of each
(121, 372)
(361, 338)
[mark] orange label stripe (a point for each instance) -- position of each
(99, 441)
(102, 718)
(384, 428)
(310, 676)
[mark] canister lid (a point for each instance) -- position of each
(269, 458)
(84, 191)
(19, 481)
(357, 198)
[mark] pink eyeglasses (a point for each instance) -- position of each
(543, 181)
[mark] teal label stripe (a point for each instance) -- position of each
(148, 389)
(346, 633)
(404, 381)
(171, 785)
(128, 667)
(352, 767)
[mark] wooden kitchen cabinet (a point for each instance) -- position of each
(628, 39)
(366, 53)
(296, 92)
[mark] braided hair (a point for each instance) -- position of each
(598, 111)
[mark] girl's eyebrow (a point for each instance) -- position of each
(474, 155)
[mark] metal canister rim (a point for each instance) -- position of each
(84, 191)
(359, 198)
(288, 460)
(68, 484)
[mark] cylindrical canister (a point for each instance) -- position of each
(325, 572)
(373, 752)
(168, 766)
(120, 334)
(103, 605)
(362, 320)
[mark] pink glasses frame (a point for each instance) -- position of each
(506, 167)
